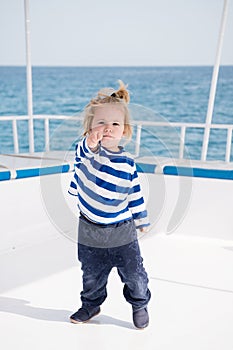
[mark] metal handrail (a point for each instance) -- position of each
(213, 86)
(181, 125)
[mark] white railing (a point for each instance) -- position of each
(183, 127)
(139, 124)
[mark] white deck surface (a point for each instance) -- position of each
(190, 270)
(191, 282)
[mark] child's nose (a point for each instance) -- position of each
(107, 128)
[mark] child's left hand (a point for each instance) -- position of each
(143, 229)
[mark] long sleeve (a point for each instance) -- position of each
(82, 151)
(136, 202)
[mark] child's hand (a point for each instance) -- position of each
(143, 229)
(94, 138)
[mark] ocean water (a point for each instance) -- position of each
(172, 94)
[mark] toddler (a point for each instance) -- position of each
(111, 207)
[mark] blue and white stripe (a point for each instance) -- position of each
(107, 186)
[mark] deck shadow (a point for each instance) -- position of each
(108, 320)
(24, 308)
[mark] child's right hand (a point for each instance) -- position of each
(94, 137)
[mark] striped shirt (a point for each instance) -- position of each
(107, 186)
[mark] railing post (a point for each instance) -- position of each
(138, 140)
(228, 145)
(46, 130)
(214, 85)
(182, 141)
(15, 136)
(29, 77)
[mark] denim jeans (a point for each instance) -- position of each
(97, 264)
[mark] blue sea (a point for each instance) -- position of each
(172, 94)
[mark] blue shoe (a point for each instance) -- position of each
(83, 315)
(141, 318)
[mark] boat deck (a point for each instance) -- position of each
(191, 306)
(190, 269)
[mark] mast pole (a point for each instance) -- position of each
(209, 114)
(29, 77)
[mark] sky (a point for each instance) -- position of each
(115, 33)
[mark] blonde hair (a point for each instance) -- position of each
(118, 97)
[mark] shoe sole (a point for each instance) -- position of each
(141, 328)
(80, 322)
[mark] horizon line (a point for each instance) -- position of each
(113, 66)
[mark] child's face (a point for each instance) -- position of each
(109, 121)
